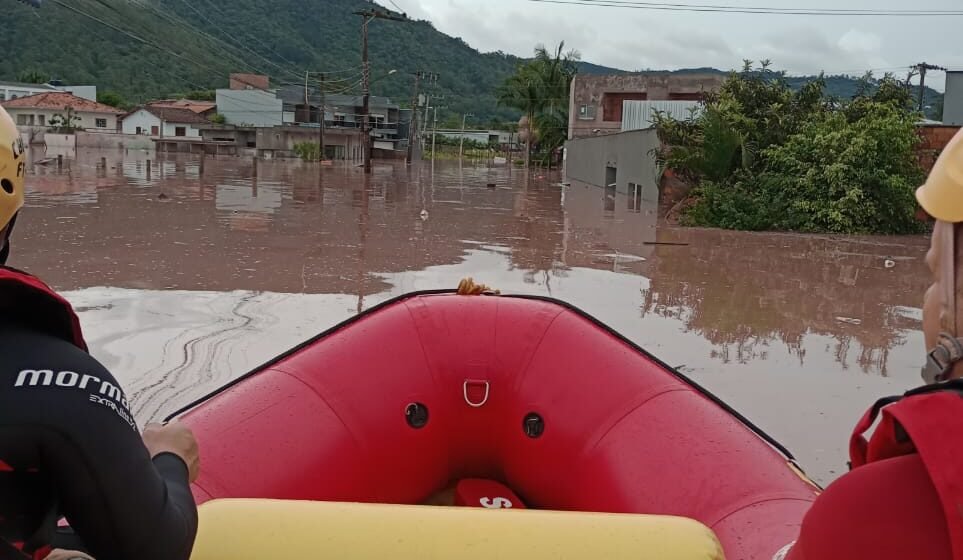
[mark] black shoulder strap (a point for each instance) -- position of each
(952, 385)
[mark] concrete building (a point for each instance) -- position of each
(14, 90)
(252, 107)
(240, 81)
(339, 143)
(622, 162)
(164, 122)
(388, 123)
(953, 99)
(596, 101)
(490, 137)
(35, 111)
(639, 115)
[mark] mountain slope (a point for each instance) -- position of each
(160, 47)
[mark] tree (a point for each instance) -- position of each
(33, 77)
(64, 123)
(761, 156)
(539, 88)
(111, 98)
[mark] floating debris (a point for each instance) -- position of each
(889, 263)
(849, 321)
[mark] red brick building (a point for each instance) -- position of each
(935, 137)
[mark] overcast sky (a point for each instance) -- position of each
(633, 39)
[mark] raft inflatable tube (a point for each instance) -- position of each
(259, 529)
(424, 398)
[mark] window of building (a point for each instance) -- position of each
(339, 119)
(154, 130)
(30, 120)
(586, 112)
(22, 120)
(100, 123)
(138, 130)
(3, 96)
(612, 104)
(180, 131)
(41, 120)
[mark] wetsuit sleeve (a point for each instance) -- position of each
(120, 502)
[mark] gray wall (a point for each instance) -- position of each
(252, 107)
(586, 160)
(953, 101)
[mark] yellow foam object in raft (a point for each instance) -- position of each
(247, 529)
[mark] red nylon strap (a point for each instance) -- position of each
(934, 422)
(20, 286)
(858, 445)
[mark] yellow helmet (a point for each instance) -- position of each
(942, 194)
(13, 167)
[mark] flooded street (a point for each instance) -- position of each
(187, 274)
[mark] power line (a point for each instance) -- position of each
(177, 21)
(660, 6)
(245, 47)
(253, 36)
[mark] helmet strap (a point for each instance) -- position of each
(5, 249)
(941, 360)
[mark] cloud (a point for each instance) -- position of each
(634, 39)
(856, 41)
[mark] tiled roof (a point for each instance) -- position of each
(59, 100)
(176, 115)
(195, 106)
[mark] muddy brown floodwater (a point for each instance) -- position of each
(188, 275)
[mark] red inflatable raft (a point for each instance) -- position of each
(523, 394)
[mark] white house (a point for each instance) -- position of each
(164, 122)
(13, 90)
(36, 111)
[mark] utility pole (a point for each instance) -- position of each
(321, 128)
(434, 128)
(923, 67)
(367, 16)
(306, 103)
(413, 126)
(461, 144)
(432, 81)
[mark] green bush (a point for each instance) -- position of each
(308, 151)
(761, 157)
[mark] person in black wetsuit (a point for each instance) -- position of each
(69, 446)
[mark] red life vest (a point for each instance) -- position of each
(24, 297)
(927, 421)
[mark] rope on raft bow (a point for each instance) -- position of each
(468, 287)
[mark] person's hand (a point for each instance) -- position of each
(61, 554)
(175, 438)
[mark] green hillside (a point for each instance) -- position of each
(144, 49)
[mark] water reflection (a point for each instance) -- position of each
(233, 261)
(745, 293)
(235, 224)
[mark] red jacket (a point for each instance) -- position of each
(903, 497)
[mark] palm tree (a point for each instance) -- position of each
(539, 88)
